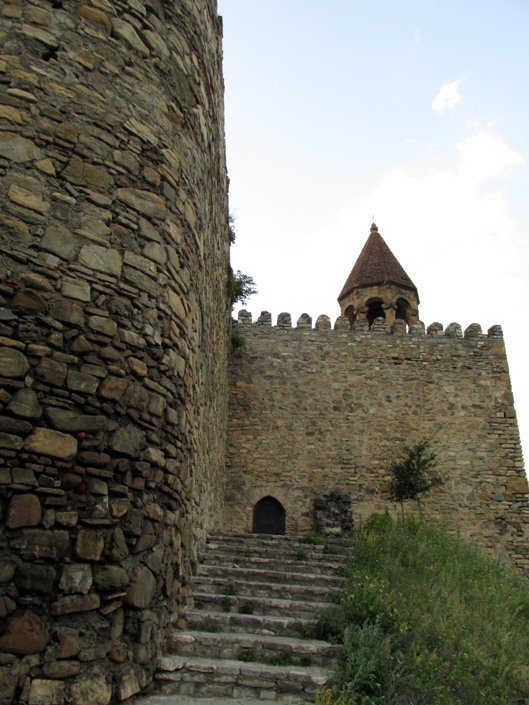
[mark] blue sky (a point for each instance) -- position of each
(416, 112)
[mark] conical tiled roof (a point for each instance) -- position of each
(376, 264)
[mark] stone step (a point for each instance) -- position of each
(277, 577)
(303, 609)
(265, 546)
(322, 543)
(232, 588)
(255, 598)
(322, 566)
(214, 678)
(188, 700)
(266, 625)
(274, 650)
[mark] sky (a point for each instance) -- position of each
(414, 114)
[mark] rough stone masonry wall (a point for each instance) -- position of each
(113, 334)
(312, 410)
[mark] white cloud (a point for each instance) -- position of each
(447, 98)
(484, 156)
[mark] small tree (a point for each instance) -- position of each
(414, 475)
(242, 286)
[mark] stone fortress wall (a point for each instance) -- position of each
(114, 323)
(314, 409)
(114, 263)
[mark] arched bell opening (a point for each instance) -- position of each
(268, 517)
(350, 314)
(403, 310)
(375, 310)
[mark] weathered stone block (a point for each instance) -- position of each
(23, 510)
(8, 440)
(126, 31)
(60, 241)
(12, 363)
(37, 543)
(25, 403)
(101, 259)
(517, 485)
(67, 518)
(143, 264)
(105, 326)
(14, 228)
(60, 670)
(68, 645)
(81, 382)
(76, 289)
(27, 199)
(18, 427)
(76, 578)
(91, 689)
(116, 548)
(75, 603)
(110, 578)
(18, 149)
(91, 457)
(137, 366)
(67, 312)
(89, 545)
(113, 387)
(25, 635)
(145, 202)
(141, 281)
(128, 440)
(92, 14)
(51, 372)
(73, 421)
(141, 590)
(119, 507)
(45, 441)
(83, 174)
(46, 692)
(128, 685)
(28, 303)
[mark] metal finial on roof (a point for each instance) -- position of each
(374, 228)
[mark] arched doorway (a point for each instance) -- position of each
(268, 517)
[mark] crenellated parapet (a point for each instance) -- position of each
(361, 326)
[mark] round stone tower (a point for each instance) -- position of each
(113, 334)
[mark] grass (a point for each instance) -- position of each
(302, 554)
(427, 620)
(227, 603)
(314, 539)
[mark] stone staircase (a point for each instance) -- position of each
(248, 636)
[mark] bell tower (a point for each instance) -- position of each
(378, 286)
